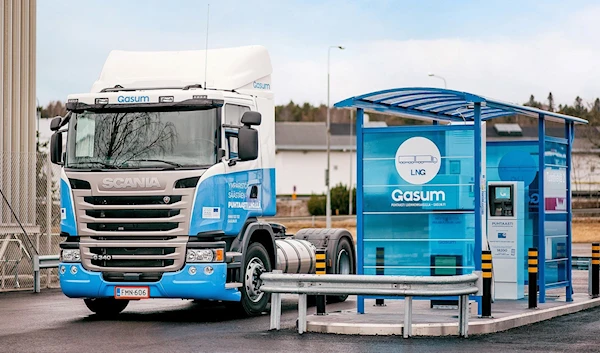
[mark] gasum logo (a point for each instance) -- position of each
(131, 183)
(416, 196)
(260, 85)
(133, 99)
(418, 160)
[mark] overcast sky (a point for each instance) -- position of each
(503, 49)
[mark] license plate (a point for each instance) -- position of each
(132, 292)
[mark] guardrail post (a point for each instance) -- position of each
(486, 268)
(463, 316)
(595, 269)
(301, 313)
(407, 331)
(379, 270)
(321, 270)
(276, 308)
(532, 266)
(36, 273)
(275, 311)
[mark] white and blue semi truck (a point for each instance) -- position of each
(168, 165)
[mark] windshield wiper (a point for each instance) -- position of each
(157, 160)
(107, 165)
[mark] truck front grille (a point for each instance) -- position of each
(133, 227)
(127, 233)
(128, 215)
(133, 263)
(132, 200)
(132, 213)
(133, 237)
(129, 256)
(138, 277)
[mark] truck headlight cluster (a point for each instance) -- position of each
(205, 255)
(70, 255)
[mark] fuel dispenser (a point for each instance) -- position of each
(505, 230)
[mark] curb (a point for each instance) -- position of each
(446, 329)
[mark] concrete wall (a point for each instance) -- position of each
(17, 107)
(306, 170)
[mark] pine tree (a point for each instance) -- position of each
(550, 102)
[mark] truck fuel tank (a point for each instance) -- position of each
(295, 256)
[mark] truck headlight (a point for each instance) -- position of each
(70, 255)
(205, 255)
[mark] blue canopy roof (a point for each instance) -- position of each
(443, 105)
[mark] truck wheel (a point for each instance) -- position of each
(254, 301)
(343, 264)
(106, 307)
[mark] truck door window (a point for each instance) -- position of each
(233, 113)
(233, 116)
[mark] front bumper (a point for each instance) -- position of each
(76, 282)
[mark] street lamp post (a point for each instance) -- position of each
(440, 77)
(327, 179)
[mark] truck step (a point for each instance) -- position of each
(233, 256)
(234, 265)
(232, 285)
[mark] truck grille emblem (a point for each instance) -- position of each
(166, 199)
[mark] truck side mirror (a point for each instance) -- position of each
(251, 118)
(56, 148)
(55, 123)
(247, 143)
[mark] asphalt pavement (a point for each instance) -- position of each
(50, 322)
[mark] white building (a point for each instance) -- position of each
(301, 157)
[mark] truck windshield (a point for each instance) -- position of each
(142, 139)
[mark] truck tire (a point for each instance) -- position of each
(343, 264)
(106, 307)
(254, 302)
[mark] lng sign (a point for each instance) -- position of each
(418, 160)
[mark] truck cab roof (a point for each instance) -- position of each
(246, 70)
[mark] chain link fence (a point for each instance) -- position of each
(29, 218)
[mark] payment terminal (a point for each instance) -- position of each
(505, 234)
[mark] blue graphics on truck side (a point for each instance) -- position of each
(67, 214)
(418, 199)
(225, 201)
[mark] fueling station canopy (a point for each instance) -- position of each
(444, 105)
(378, 225)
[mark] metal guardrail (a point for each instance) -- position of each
(403, 286)
(39, 262)
(580, 262)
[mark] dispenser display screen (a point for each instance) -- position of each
(503, 193)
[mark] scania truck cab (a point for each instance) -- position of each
(168, 165)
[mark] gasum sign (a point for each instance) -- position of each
(417, 162)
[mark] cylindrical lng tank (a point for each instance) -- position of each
(295, 256)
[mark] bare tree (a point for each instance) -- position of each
(135, 135)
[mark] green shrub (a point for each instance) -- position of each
(316, 205)
(339, 202)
